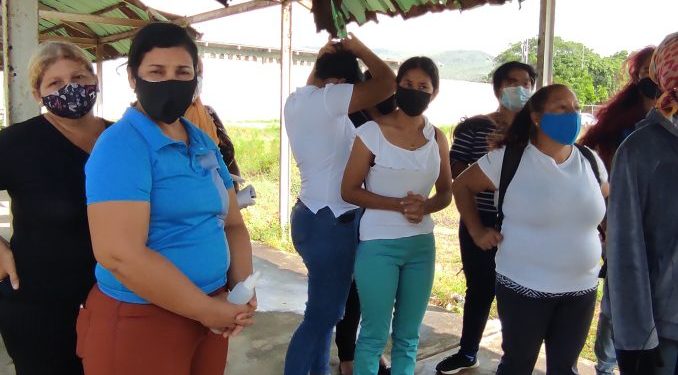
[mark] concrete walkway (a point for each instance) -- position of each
(282, 295)
(282, 298)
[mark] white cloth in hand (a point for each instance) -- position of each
(246, 197)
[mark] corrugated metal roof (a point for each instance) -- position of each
(333, 15)
(330, 15)
(123, 9)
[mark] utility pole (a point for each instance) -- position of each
(525, 46)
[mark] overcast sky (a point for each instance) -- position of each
(607, 26)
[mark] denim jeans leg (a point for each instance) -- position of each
(327, 246)
(604, 347)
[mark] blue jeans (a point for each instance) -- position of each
(394, 274)
(327, 245)
(604, 347)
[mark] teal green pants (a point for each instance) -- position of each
(392, 274)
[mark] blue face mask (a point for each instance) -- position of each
(514, 98)
(561, 127)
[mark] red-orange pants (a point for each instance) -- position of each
(117, 338)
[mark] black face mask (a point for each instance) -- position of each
(648, 88)
(387, 106)
(165, 101)
(412, 102)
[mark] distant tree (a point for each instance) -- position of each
(592, 77)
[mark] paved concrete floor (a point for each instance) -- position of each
(261, 350)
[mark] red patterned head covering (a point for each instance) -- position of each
(664, 71)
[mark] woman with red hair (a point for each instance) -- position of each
(617, 118)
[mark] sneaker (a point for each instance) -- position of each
(456, 363)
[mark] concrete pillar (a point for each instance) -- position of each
(20, 39)
(547, 17)
(100, 79)
(285, 83)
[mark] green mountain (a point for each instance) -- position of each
(464, 65)
(460, 65)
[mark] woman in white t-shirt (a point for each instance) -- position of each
(548, 250)
(399, 159)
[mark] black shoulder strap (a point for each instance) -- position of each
(509, 166)
(588, 154)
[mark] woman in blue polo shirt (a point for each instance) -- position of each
(163, 231)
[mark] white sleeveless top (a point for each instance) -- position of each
(397, 171)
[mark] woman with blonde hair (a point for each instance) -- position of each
(47, 267)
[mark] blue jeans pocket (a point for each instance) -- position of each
(300, 222)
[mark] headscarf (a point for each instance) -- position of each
(197, 113)
(664, 72)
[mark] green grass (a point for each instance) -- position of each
(257, 153)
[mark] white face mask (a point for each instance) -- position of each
(514, 98)
(198, 89)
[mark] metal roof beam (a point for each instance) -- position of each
(53, 28)
(129, 13)
(119, 36)
(71, 39)
(202, 17)
(110, 8)
(228, 11)
(73, 26)
(146, 8)
(306, 4)
(79, 17)
(81, 28)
